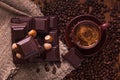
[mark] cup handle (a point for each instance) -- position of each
(105, 26)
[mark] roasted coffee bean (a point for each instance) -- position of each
(47, 68)
(54, 70)
(37, 70)
(58, 64)
(51, 63)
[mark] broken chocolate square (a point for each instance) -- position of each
(53, 22)
(73, 56)
(19, 31)
(54, 34)
(53, 54)
(28, 47)
(23, 19)
(41, 24)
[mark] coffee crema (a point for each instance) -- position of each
(87, 35)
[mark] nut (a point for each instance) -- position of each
(18, 55)
(14, 46)
(48, 38)
(32, 33)
(47, 46)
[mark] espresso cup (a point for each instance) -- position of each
(87, 33)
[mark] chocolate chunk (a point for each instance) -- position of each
(53, 54)
(28, 47)
(19, 31)
(19, 25)
(40, 40)
(73, 57)
(54, 70)
(42, 24)
(54, 34)
(22, 19)
(53, 22)
(41, 49)
(37, 59)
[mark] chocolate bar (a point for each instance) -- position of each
(73, 56)
(54, 34)
(41, 24)
(28, 47)
(19, 31)
(53, 54)
(53, 22)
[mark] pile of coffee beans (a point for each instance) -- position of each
(65, 10)
(104, 65)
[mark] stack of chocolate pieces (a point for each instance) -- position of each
(35, 39)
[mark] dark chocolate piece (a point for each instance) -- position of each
(40, 58)
(73, 57)
(54, 34)
(19, 31)
(40, 40)
(53, 22)
(42, 24)
(53, 54)
(28, 47)
(41, 49)
(21, 19)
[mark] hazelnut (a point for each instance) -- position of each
(32, 33)
(14, 46)
(48, 38)
(47, 46)
(18, 55)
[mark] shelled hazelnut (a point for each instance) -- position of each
(18, 55)
(47, 46)
(14, 46)
(48, 38)
(32, 33)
